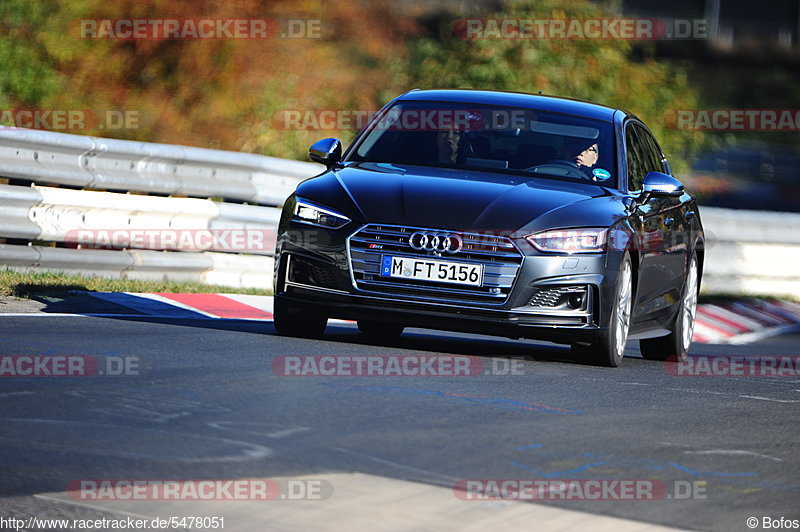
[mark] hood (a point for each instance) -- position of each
(442, 197)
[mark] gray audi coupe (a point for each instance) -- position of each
(507, 214)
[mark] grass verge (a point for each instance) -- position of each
(27, 284)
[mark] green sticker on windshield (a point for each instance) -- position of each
(600, 173)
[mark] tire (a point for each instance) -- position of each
(610, 348)
(676, 344)
(295, 321)
(377, 329)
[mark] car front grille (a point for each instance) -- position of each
(500, 258)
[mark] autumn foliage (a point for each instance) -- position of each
(227, 93)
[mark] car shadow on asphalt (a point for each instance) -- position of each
(68, 300)
(421, 340)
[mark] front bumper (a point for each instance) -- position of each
(325, 285)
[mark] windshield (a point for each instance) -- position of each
(488, 138)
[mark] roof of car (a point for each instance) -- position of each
(514, 99)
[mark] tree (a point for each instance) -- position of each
(29, 76)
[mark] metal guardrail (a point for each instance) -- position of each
(110, 164)
(751, 252)
(748, 252)
(81, 219)
(15, 206)
(92, 218)
(145, 265)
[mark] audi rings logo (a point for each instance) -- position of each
(436, 242)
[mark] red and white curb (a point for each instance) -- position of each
(745, 321)
(226, 306)
(214, 306)
(737, 322)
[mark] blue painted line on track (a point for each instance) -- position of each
(531, 446)
(147, 306)
(709, 473)
(556, 474)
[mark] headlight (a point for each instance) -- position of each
(570, 240)
(308, 213)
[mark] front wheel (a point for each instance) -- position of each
(610, 348)
(290, 320)
(676, 343)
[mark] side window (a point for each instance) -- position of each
(636, 164)
(651, 151)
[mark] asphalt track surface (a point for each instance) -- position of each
(204, 401)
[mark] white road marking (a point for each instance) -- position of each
(734, 452)
(770, 399)
(395, 464)
(690, 390)
(9, 394)
(252, 428)
(247, 450)
(94, 507)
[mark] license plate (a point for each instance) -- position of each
(443, 271)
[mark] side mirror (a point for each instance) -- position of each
(326, 151)
(661, 185)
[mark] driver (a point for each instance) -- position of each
(447, 144)
(587, 157)
(584, 153)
